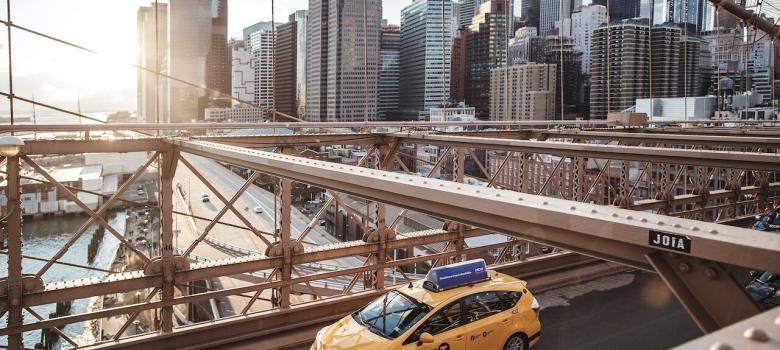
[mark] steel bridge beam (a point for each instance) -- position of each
(717, 159)
(604, 232)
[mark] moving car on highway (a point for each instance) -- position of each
(456, 307)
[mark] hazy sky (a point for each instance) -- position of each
(58, 75)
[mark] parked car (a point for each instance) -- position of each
(205, 198)
(258, 210)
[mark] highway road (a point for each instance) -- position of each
(228, 183)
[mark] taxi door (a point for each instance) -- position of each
(446, 327)
(489, 323)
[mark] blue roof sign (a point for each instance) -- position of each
(452, 276)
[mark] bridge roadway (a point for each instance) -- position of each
(626, 309)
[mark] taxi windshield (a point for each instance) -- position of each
(391, 315)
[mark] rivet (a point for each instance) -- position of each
(441, 185)
(544, 203)
(458, 187)
(573, 207)
(710, 273)
(676, 225)
(593, 211)
(720, 346)
(614, 215)
(425, 182)
(396, 177)
(498, 194)
(629, 217)
(694, 228)
(714, 231)
(756, 334)
(684, 267)
(643, 220)
(519, 198)
(410, 180)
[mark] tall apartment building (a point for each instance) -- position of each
(583, 23)
(485, 49)
(243, 66)
(197, 53)
(633, 73)
(665, 48)
(285, 69)
(343, 60)
(458, 67)
(300, 18)
(425, 55)
(562, 51)
(152, 47)
(695, 67)
(529, 94)
(551, 11)
(616, 88)
(389, 72)
(261, 45)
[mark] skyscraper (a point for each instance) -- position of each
(623, 47)
(425, 54)
(458, 67)
(561, 51)
(343, 58)
(485, 49)
(261, 45)
(300, 17)
(285, 68)
(583, 23)
(551, 11)
(317, 61)
(243, 68)
(152, 48)
(625, 9)
(530, 13)
(389, 71)
(466, 11)
(197, 53)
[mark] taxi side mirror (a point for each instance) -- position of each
(426, 338)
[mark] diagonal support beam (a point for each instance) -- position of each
(702, 286)
(94, 216)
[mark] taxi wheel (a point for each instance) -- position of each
(516, 342)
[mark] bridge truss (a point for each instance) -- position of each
(607, 193)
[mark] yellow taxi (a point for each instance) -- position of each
(461, 306)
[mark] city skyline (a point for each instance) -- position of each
(65, 77)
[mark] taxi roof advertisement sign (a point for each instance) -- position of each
(452, 276)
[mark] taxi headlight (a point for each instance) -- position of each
(535, 305)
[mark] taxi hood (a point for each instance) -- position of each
(348, 334)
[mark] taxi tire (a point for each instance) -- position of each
(517, 336)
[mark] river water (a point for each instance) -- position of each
(43, 237)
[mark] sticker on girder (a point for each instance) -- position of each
(670, 241)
